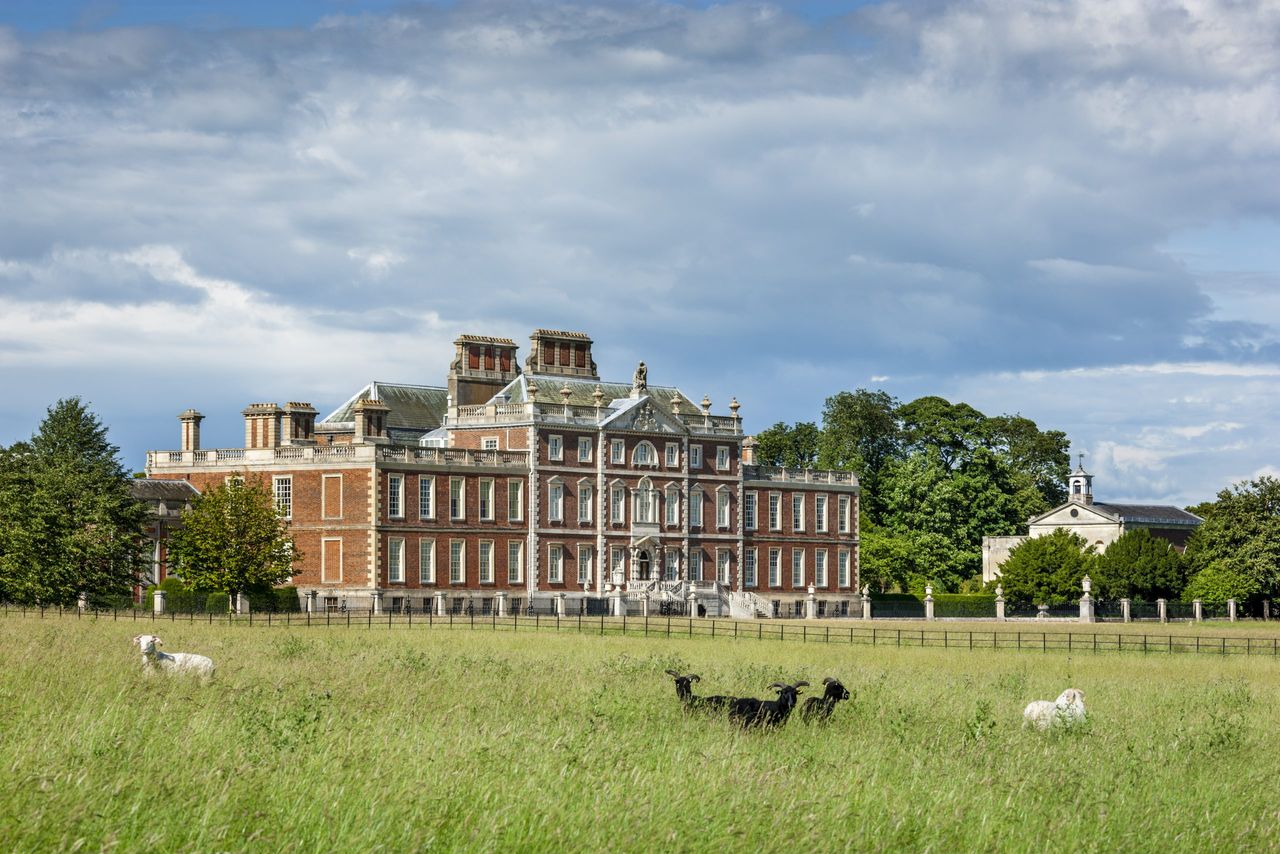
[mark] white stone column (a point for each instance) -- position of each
(811, 605)
(1198, 606)
(440, 603)
(1231, 610)
(1000, 603)
(242, 603)
(1086, 601)
(1162, 608)
(560, 609)
(693, 603)
(158, 605)
(500, 599)
(1126, 612)
(928, 602)
(866, 603)
(644, 603)
(82, 602)
(376, 596)
(312, 595)
(619, 608)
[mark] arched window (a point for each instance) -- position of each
(643, 510)
(644, 455)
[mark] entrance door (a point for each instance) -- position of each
(644, 569)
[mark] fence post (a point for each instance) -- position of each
(1198, 608)
(1000, 603)
(1126, 613)
(1231, 610)
(501, 598)
(928, 601)
(1162, 608)
(82, 603)
(311, 602)
(158, 606)
(811, 605)
(560, 607)
(1086, 601)
(376, 604)
(866, 603)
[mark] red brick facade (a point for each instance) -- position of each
(628, 492)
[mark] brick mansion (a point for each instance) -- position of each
(545, 488)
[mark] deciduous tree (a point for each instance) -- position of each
(233, 539)
(1046, 570)
(1140, 566)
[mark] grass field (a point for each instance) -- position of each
(344, 739)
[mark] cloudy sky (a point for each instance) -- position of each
(1068, 209)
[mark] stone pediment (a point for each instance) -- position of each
(645, 417)
(1073, 513)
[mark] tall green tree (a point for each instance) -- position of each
(233, 540)
(1239, 542)
(1046, 570)
(1040, 461)
(861, 434)
(1140, 566)
(68, 523)
(793, 447)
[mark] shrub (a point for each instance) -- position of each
(964, 605)
(217, 603)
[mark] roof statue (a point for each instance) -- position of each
(641, 379)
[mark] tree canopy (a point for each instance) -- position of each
(936, 477)
(233, 539)
(1046, 570)
(1238, 546)
(68, 522)
(1140, 566)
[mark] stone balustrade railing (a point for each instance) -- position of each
(266, 457)
(798, 475)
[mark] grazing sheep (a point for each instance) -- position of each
(684, 690)
(1067, 710)
(179, 662)
(820, 708)
(749, 712)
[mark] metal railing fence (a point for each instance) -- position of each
(686, 627)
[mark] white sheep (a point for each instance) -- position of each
(179, 662)
(1067, 710)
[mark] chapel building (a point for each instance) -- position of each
(545, 489)
(1100, 523)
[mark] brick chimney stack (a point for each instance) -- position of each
(371, 421)
(482, 367)
(190, 430)
(299, 423)
(262, 425)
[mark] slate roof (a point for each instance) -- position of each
(415, 409)
(582, 391)
(1150, 514)
(151, 489)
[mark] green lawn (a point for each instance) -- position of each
(349, 739)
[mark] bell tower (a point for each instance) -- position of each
(1080, 484)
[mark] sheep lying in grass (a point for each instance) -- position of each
(749, 712)
(684, 690)
(179, 662)
(1067, 710)
(820, 708)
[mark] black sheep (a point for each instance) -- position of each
(820, 708)
(749, 712)
(684, 690)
